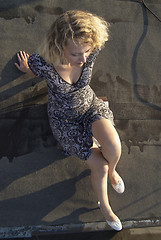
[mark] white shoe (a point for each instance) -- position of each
(120, 186)
(116, 225)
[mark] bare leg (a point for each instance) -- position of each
(99, 176)
(107, 136)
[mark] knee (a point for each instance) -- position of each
(101, 167)
(97, 163)
(105, 168)
(112, 151)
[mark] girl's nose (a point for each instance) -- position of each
(83, 58)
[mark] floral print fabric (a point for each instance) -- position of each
(72, 108)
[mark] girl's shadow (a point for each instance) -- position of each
(32, 208)
(23, 113)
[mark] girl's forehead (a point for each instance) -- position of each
(73, 46)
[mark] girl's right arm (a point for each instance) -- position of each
(23, 63)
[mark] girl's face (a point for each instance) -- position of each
(76, 55)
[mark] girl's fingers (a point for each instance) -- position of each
(17, 66)
(22, 55)
(19, 58)
(22, 59)
(25, 55)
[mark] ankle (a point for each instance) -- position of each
(107, 212)
(114, 177)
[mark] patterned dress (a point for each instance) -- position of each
(72, 108)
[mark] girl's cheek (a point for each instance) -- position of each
(75, 59)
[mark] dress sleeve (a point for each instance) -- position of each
(36, 64)
(92, 57)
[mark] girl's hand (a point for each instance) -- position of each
(23, 62)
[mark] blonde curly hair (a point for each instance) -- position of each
(81, 27)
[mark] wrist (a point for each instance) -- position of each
(28, 71)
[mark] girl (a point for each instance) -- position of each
(76, 115)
